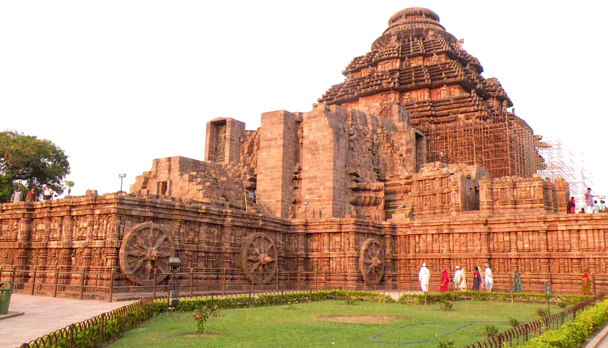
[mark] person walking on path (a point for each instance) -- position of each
(476, 279)
(31, 196)
(423, 278)
(463, 281)
(445, 281)
(517, 286)
(489, 278)
(586, 282)
(456, 279)
(17, 195)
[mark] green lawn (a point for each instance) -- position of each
(329, 324)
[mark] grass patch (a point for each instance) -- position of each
(329, 323)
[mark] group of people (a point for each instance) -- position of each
(32, 196)
(459, 280)
(591, 205)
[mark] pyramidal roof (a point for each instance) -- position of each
(417, 64)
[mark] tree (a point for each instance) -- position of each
(69, 184)
(31, 162)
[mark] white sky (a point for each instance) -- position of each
(119, 83)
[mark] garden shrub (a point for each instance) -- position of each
(437, 297)
(574, 333)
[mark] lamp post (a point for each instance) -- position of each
(305, 205)
(121, 176)
(173, 298)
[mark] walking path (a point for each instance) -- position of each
(43, 315)
(600, 340)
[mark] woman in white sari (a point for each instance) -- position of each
(463, 281)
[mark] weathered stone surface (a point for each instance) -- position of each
(418, 65)
(367, 183)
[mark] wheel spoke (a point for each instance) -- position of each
(148, 267)
(136, 253)
(254, 266)
(138, 242)
(137, 266)
(159, 241)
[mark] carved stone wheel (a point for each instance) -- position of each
(371, 261)
(259, 258)
(145, 248)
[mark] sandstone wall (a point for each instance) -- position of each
(508, 195)
(88, 232)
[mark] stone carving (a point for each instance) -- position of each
(259, 258)
(335, 189)
(220, 143)
(147, 247)
(423, 47)
(371, 261)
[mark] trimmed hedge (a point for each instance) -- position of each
(436, 297)
(574, 333)
(272, 300)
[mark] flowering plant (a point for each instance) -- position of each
(446, 344)
(445, 305)
(201, 315)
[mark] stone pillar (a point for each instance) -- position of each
(485, 195)
(324, 161)
(351, 265)
(24, 241)
(223, 140)
(276, 161)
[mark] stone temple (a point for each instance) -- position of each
(414, 158)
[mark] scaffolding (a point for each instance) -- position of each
(571, 167)
(504, 146)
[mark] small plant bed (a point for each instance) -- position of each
(331, 323)
(559, 300)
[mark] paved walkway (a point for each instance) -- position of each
(600, 340)
(43, 315)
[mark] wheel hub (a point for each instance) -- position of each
(264, 259)
(375, 262)
(151, 254)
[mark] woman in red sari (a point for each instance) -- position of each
(445, 281)
(586, 282)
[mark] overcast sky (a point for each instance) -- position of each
(119, 83)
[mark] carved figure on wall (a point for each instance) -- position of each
(220, 144)
(145, 248)
(371, 261)
(259, 259)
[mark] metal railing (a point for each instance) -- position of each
(524, 332)
(100, 284)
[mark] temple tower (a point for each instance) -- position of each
(417, 64)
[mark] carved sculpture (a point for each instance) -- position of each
(147, 247)
(371, 261)
(259, 258)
